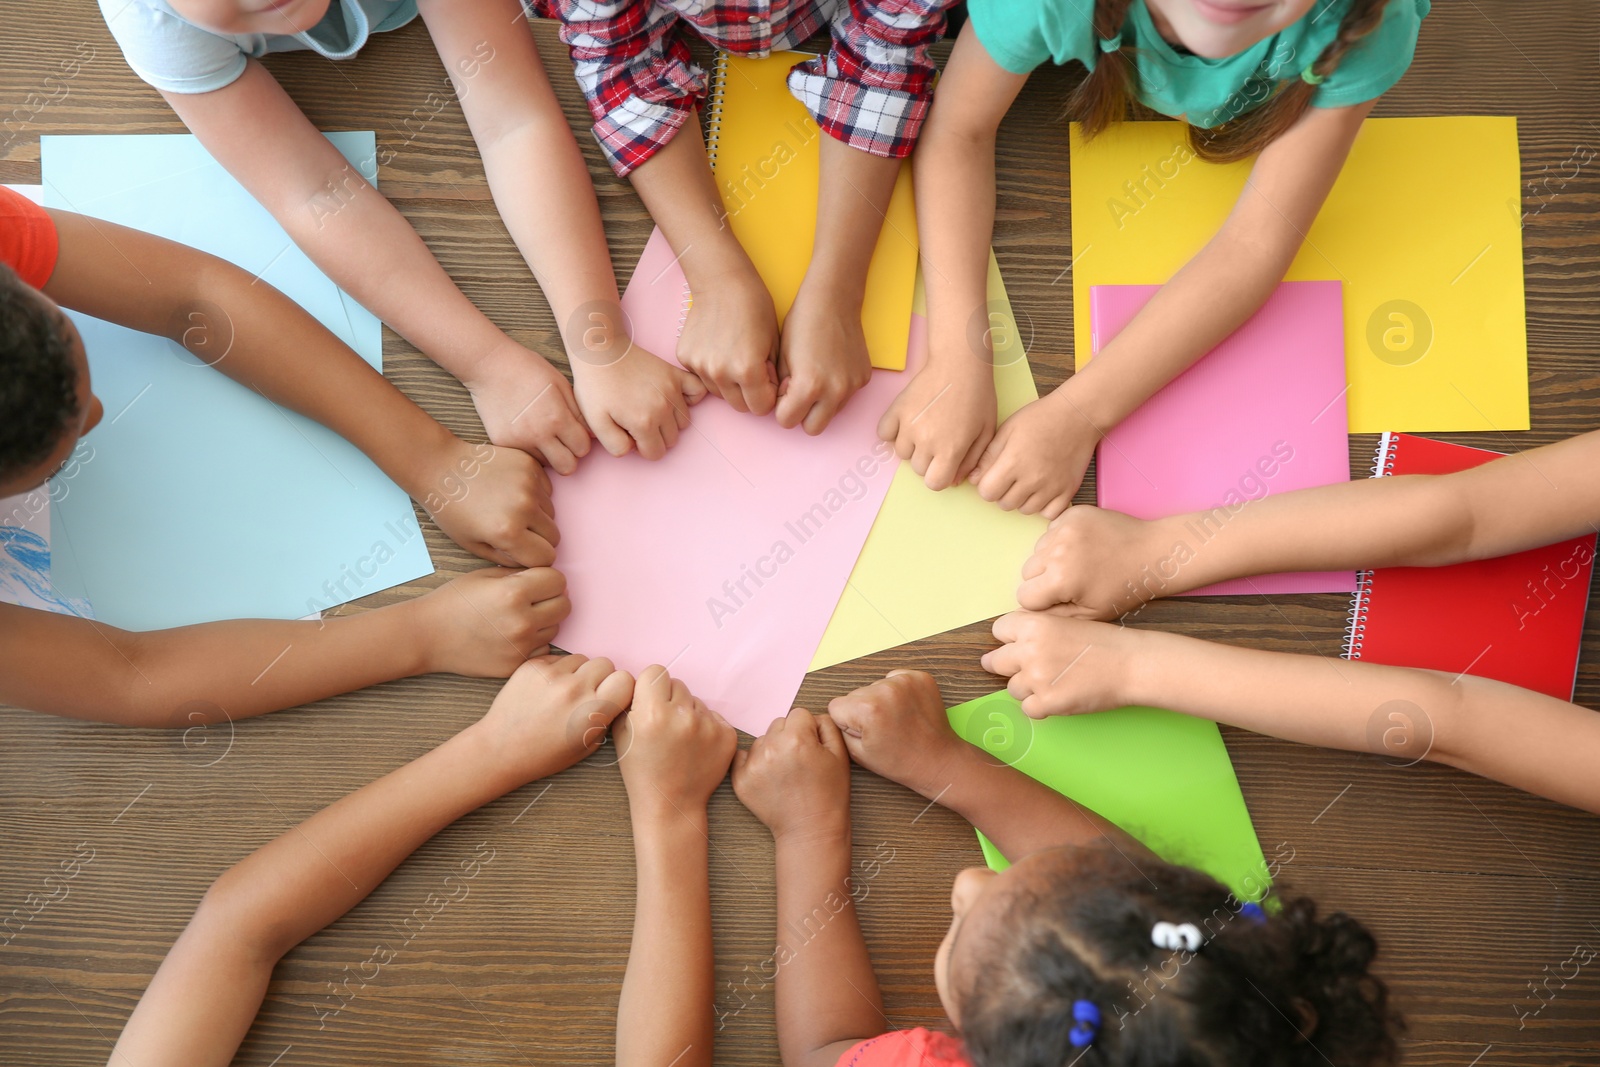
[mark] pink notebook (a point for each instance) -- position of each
(725, 559)
(1262, 413)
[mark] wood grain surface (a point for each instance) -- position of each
(1474, 890)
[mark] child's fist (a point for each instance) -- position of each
(487, 622)
(673, 750)
(897, 728)
(1060, 665)
(495, 503)
(553, 712)
(1090, 561)
(796, 777)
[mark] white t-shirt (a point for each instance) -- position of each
(177, 56)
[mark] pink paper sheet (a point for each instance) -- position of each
(724, 560)
(1262, 413)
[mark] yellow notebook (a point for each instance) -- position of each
(766, 151)
(1423, 228)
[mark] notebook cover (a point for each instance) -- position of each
(767, 152)
(1165, 778)
(1517, 619)
(1434, 320)
(1262, 413)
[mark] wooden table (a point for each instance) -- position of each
(1473, 889)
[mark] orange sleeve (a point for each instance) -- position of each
(28, 242)
(917, 1047)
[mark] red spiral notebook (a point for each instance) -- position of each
(1517, 619)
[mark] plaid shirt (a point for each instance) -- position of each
(871, 90)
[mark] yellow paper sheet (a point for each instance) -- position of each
(936, 561)
(767, 153)
(1423, 228)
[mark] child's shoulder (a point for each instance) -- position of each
(1023, 34)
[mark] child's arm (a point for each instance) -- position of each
(483, 624)
(796, 780)
(1038, 456)
(730, 337)
(494, 502)
(541, 186)
(1098, 562)
(822, 355)
(354, 234)
(1062, 665)
(673, 754)
(202, 1000)
(945, 417)
(897, 728)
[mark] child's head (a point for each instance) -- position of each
(1029, 947)
(45, 402)
(252, 16)
(1215, 29)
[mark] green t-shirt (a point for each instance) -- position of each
(1023, 34)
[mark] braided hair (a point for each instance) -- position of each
(38, 381)
(1293, 990)
(1110, 91)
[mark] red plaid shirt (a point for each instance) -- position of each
(871, 90)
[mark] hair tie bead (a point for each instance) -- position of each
(1185, 936)
(1110, 44)
(1086, 1024)
(1311, 77)
(1252, 911)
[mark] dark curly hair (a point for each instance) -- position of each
(1289, 990)
(38, 381)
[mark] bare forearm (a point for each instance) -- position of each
(1017, 813)
(1525, 739)
(194, 675)
(826, 990)
(680, 192)
(955, 225)
(852, 202)
(202, 1000)
(1519, 502)
(341, 222)
(665, 1012)
(1206, 300)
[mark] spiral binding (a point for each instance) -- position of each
(719, 83)
(1355, 630)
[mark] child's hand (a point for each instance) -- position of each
(730, 340)
(486, 623)
(796, 778)
(897, 728)
(822, 361)
(495, 503)
(1037, 459)
(636, 400)
(943, 418)
(673, 751)
(526, 403)
(1091, 563)
(1059, 665)
(553, 712)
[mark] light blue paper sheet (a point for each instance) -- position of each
(201, 499)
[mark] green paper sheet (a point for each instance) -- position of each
(936, 561)
(1163, 777)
